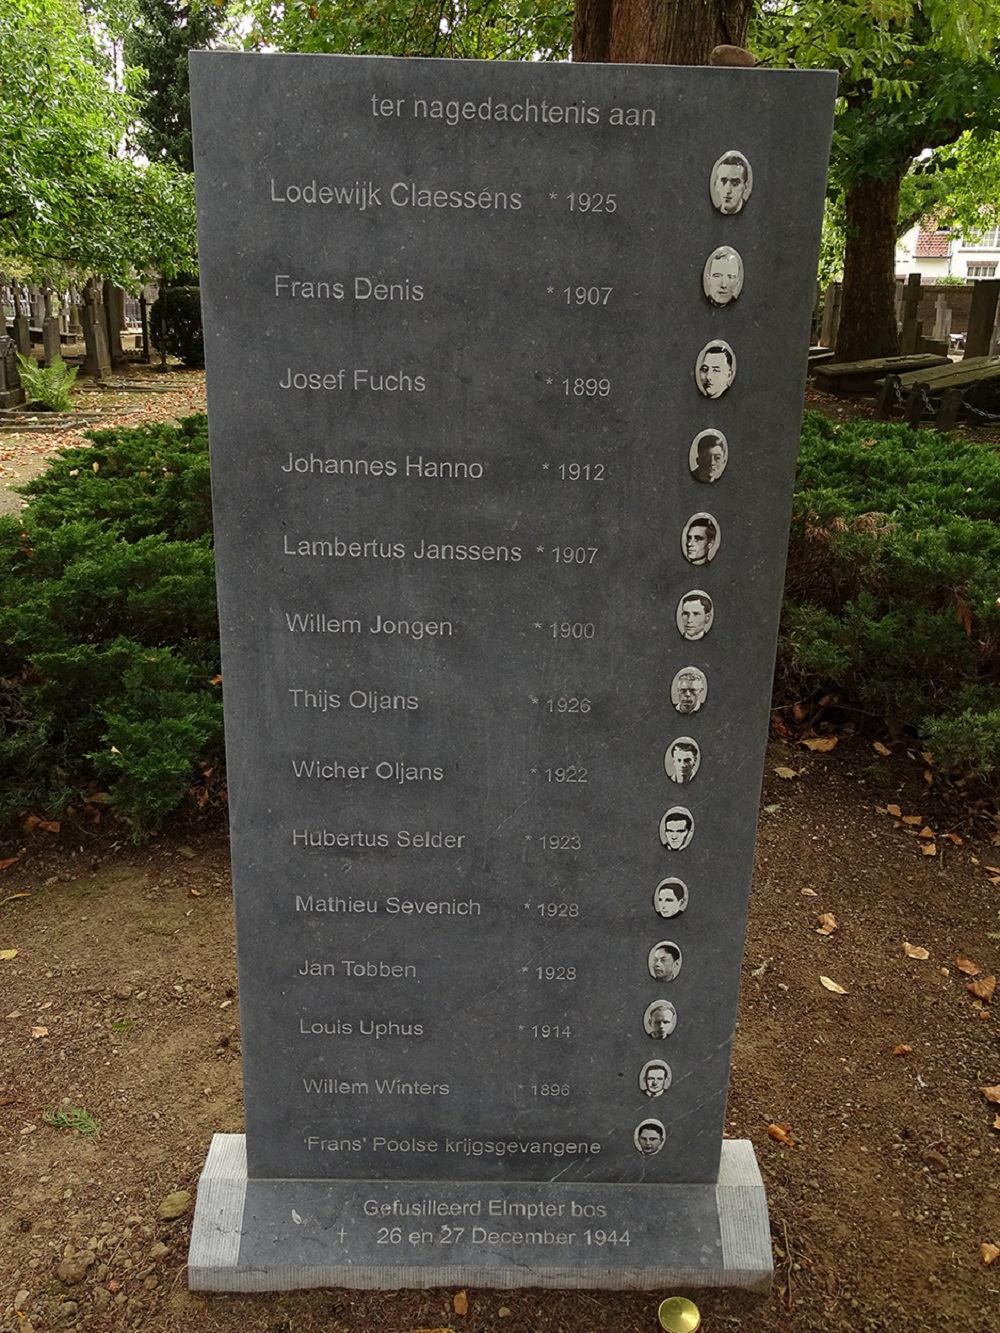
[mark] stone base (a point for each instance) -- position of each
(277, 1235)
(12, 397)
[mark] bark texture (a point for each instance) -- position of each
(868, 313)
(658, 32)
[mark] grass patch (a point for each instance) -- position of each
(77, 1118)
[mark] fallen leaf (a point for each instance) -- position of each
(39, 1032)
(983, 989)
(827, 984)
(988, 1252)
(216, 680)
(996, 1123)
(967, 966)
(926, 832)
(460, 1302)
(992, 1094)
(821, 744)
(945, 971)
(913, 820)
(7, 954)
(881, 749)
(6, 864)
(928, 776)
(782, 1134)
(784, 772)
(196, 893)
(915, 951)
(954, 838)
(893, 810)
(47, 1005)
(827, 923)
(963, 613)
(809, 893)
(49, 825)
(928, 849)
(926, 756)
(902, 1050)
(31, 822)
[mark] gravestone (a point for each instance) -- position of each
(21, 326)
(51, 340)
(97, 360)
(501, 486)
(11, 391)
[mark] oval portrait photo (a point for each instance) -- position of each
(709, 455)
(655, 1078)
(659, 1020)
(689, 689)
(649, 1137)
(676, 828)
(722, 279)
(731, 182)
(670, 898)
(695, 614)
(664, 961)
(682, 759)
(715, 369)
(701, 539)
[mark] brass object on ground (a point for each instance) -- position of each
(679, 1315)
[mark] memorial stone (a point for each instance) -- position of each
(21, 325)
(11, 390)
(51, 340)
(97, 361)
(502, 483)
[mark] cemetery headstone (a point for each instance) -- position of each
(982, 317)
(21, 325)
(11, 391)
(505, 373)
(51, 340)
(97, 361)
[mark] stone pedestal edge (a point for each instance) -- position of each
(214, 1255)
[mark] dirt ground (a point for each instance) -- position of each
(122, 1001)
(120, 1007)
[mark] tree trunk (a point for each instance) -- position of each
(868, 313)
(658, 32)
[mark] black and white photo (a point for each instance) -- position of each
(715, 369)
(709, 455)
(731, 182)
(670, 898)
(659, 1020)
(695, 614)
(655, 1078)
(664, 961)
(701, 539)
(682, 759)
(722, 279)
(676, 828)
(649, 1137)
(689, 690)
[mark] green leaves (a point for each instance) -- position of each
(69, 198)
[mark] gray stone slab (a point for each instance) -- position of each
(468, 551)
(276, 1235)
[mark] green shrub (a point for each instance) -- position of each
(48, 386)
(178, 311)
(108, 631)
(891, 591)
